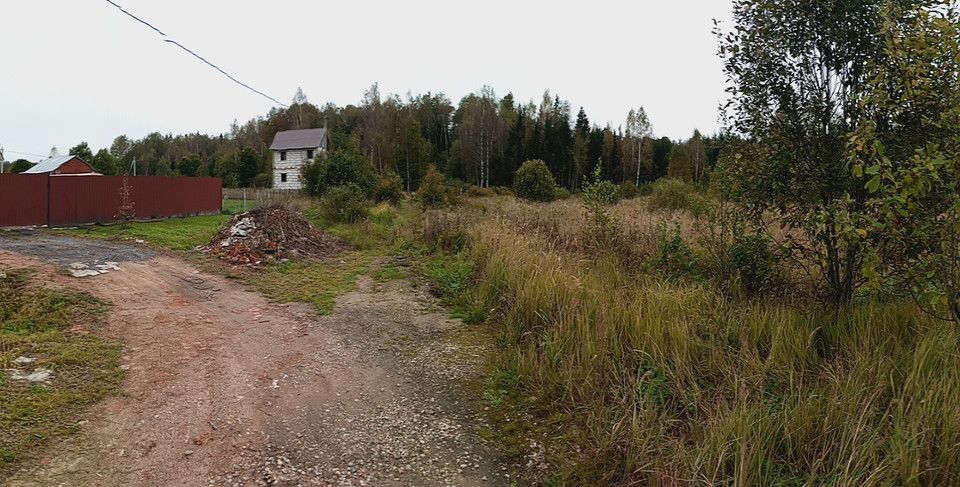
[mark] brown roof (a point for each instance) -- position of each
(299, 139)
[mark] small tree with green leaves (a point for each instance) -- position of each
(433, 189)
(909, 151)
(337, 168)
(797, 73)
(389, 188)
(345, 204)
(603, 228)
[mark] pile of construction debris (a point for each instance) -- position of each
(273, 233)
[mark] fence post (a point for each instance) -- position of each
(49, 223)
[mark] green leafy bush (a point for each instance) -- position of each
(433, 192)
(337, 168)
(602, 192)
(753, 261)
(603, 228)
(629, 190)
(345, 204)
(534, 181)
(389, 187)
(674, 258)
(263, 180)
(674, 194)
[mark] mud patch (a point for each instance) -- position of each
(80, 257)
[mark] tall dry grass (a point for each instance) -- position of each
(655, 382)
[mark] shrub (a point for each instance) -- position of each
(433, 192)
(603, 228)
(561, 193)
(751, 258)
(478, 192)
(345, 204)
(674, 258)
(337, 168)
(602, 192)
(629, 190)
(673, 194)
(263, 180)
(389, 187)
(534, 181)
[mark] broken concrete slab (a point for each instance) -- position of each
(38, 375)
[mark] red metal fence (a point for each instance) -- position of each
(39, 199)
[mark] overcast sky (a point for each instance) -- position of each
(80, 70)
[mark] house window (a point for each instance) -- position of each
(283, 177)
(283, 155)
(309, 153)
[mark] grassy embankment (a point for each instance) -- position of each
(637, 370)
(50, 327)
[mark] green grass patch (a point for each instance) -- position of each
(235, 207)
(174, 234)
(380, 230)
(450, 277)
(390, 273)
(448, 274)
(85, 368)
(317, 283)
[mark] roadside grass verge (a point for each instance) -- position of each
(36, 323)
(173, 234)
(632, 378)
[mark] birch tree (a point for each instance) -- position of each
(638, 128)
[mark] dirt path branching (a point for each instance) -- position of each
(225, 387)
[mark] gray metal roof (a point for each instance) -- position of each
(48, 165)
(299, 139)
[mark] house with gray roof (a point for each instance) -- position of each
(291, 149)
(63, 166)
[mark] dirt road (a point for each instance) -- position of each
(226, 388)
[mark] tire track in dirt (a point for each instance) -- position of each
(226, 388)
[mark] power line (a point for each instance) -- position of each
(208, 63)
(24, 153)
(138, 19)
(214, 66)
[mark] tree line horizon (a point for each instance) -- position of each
(482, 141)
